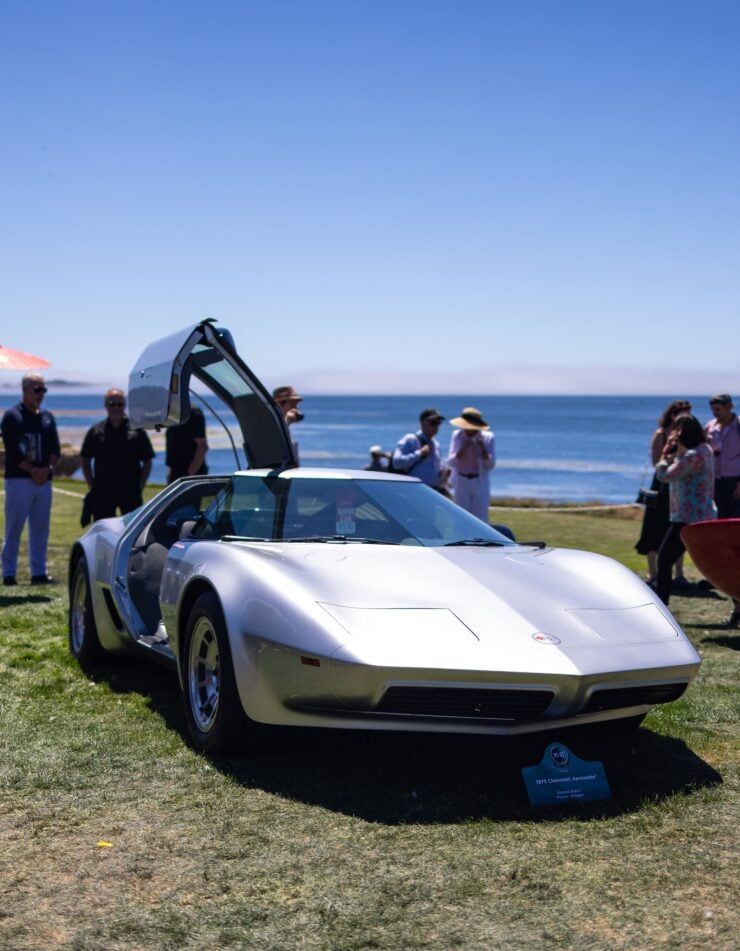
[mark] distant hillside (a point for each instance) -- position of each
(68, 384)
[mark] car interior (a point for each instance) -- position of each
(148, 555)
(302, 509)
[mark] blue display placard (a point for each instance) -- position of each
(562, 777)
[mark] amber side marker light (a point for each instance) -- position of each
(310, 661)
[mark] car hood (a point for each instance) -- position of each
(392, 600)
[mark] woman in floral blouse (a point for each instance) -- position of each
(686, 464)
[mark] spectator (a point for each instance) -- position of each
(287, 399)
(655, 521)
(723, 436)
(686, 465)
(472, 457)
(187, 447)
(418, 453)
(116, 460)
(31, 449)
(376, 463)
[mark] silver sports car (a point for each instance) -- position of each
(362, 600)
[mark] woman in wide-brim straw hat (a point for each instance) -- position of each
(472, 456)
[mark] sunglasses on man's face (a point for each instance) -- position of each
(39, 389)
(115, 403)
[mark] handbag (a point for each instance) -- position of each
(648, 498)
(86, 514)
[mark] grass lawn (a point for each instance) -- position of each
(114, 834)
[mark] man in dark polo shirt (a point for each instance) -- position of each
(187, 447)
(31, 449)
(116, 460)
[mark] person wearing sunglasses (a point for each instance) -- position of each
(116, 460)
(31, 450)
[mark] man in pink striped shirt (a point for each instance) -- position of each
(723, 436)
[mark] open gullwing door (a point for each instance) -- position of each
(159, 391)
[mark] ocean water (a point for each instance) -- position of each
(559, 448)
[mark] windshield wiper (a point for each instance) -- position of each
(340, 539)
(245, 538)
(475, 543)
(306, 539)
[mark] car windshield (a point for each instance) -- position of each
(398, 512)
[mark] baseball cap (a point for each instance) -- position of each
(430, 413)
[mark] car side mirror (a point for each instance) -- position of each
(186, 528)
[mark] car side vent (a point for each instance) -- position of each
(614, 698)
(470, 702)
(114, 615)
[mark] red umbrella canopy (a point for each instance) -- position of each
(18, 360)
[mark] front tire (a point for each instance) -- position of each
(213, 711)
(84, 643)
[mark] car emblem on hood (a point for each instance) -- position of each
(543, 638)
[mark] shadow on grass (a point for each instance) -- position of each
(706, 594)
(398, 778)
(722, 640)
(401, 778)
(15, 600)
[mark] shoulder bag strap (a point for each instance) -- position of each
(421, 440)
(648, 464)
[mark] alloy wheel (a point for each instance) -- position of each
(204, 674)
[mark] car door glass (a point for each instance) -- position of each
(246, 509)
(211, 368)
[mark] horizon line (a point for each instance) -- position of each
(99, 389)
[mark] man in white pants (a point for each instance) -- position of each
(472, 456)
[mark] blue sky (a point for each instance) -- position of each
(407, 196)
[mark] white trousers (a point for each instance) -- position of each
(26, 501)
(474, 495)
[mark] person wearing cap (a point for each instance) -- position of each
(417, 454)
(376, 463)
(472, 457)
(31, 450)
(723, 436)
(287, 399)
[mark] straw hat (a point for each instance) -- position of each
(470, 418)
